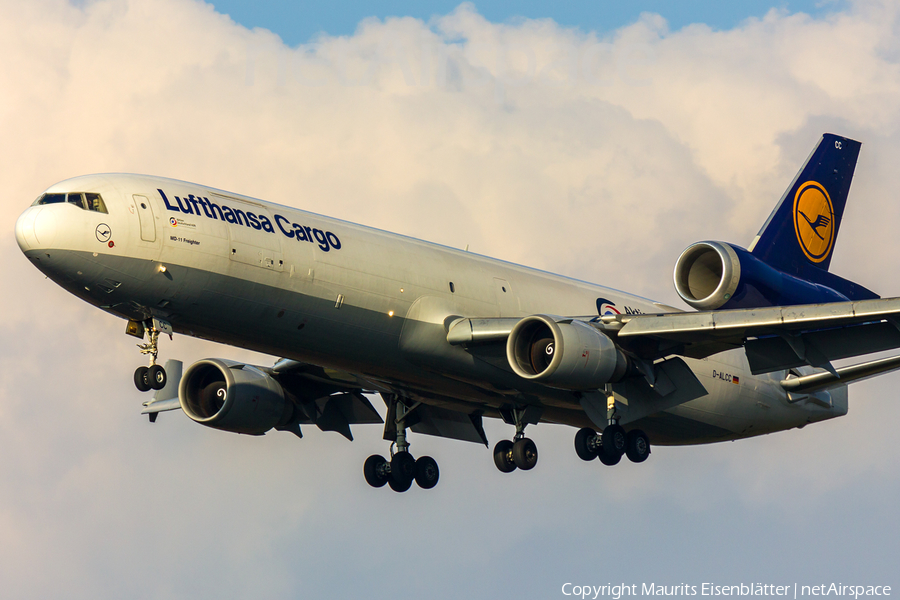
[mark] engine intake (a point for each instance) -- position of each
(571, 355)
(232, 397)
(707, 275)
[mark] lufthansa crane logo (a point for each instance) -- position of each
(103, 232)
(814, 221)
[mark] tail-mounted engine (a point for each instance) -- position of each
(233, 397)
(569, 355)
(713, 275)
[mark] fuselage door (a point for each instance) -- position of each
(507, 301)
(145, 214)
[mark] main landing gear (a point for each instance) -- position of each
(520, 452)
(152, 377)
(402, 469)
(613, 443)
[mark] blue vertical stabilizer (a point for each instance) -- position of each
(800, 234)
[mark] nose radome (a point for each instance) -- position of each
(25, 229)
(45, 227)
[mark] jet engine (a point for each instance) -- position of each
(713, 275)
(569, 355)
(232, 396)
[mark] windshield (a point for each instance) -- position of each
(83, 200)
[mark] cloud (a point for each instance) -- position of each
(600, 155)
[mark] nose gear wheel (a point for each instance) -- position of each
(152, 377)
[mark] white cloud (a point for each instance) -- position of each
(597, 155)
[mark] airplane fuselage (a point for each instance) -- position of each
(285, 282)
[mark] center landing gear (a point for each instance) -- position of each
(520, 452)
(152, 377)
(613, 443)
(402, 469)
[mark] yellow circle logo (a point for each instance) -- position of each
(814, 221)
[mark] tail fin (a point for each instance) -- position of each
(799, 236)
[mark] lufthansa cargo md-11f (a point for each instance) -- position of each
(448, 338)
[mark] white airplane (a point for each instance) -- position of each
(447, 337)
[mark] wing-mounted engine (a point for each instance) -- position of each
(567, 354)
(242, 398)
(714, 275)
(233, 396)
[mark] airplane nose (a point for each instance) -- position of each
(45, 227)
(25, 229)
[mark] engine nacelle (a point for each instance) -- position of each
(232, 396)
(713, 275)
(573, 356)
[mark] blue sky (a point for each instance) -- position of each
(298, 22)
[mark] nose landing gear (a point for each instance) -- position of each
(154, 376)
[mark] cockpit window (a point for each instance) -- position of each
(83, 200)
(94, 202)
(50, 199)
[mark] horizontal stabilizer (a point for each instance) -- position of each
(809, 384)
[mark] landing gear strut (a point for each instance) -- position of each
(519, 453)
(152, 377)
(613, 443)
(402, 469)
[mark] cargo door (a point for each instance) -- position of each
(257, 248)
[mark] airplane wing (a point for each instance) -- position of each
(774, 338)
(333, 400)
(167, 398)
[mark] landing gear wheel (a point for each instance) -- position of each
(375, 469)
(525, 454)
(403, 470)
(157, 377)
(503, 456)
(637, 446)
(608, 459)
(586, 444)
(613, 440)
(399, 487)
(142, 379)
(427, 472)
